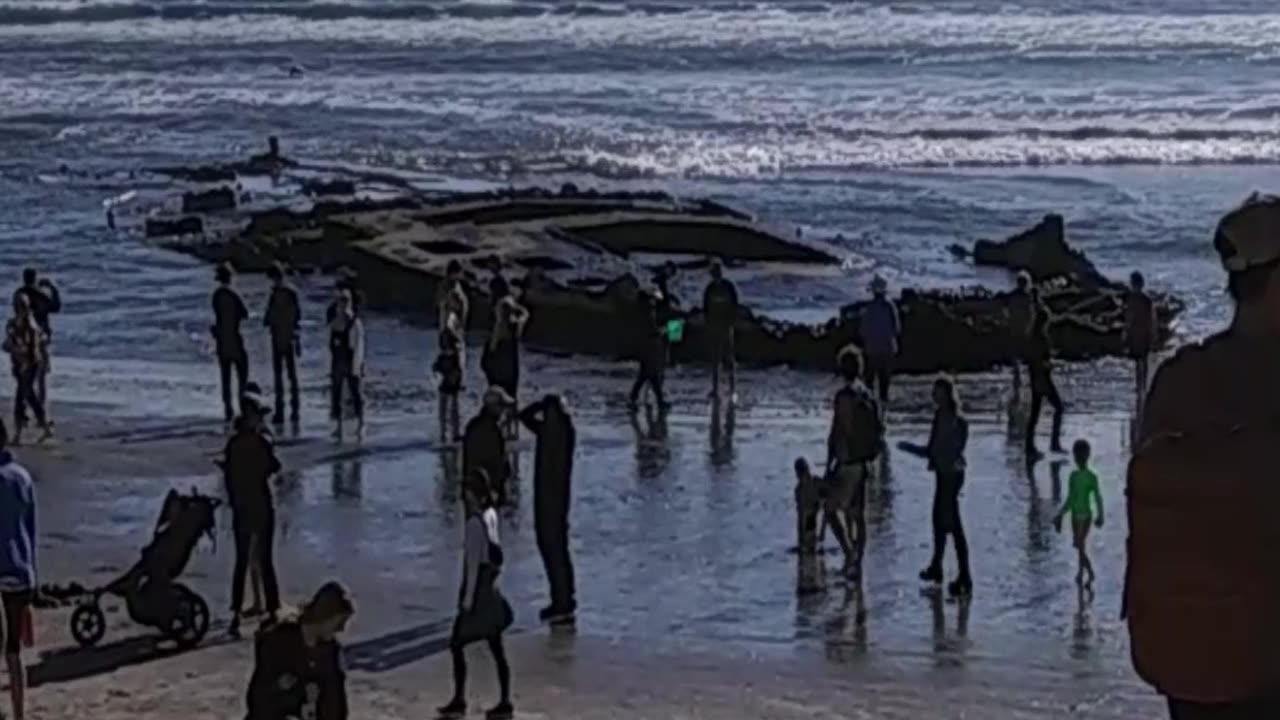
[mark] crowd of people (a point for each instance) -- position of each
(1200, 591)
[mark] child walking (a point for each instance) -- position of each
(1082, 487)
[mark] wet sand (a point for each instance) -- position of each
(682, 538)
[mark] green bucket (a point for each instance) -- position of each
(675, 330)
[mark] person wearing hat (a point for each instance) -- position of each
(1018, 326)
(283, 319)
(879, 328)
(249, 463)
(229, 312)
(297, 661)
(484, 444)
(550, 423)
(720, 310)
(1202, 585)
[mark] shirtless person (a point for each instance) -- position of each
(855, 441)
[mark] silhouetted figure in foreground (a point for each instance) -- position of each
(297, 662)
(249, 463)
(855, 441)
(550, 423)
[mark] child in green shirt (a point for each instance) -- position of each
(1082, 487)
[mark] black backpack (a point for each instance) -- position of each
(866, 441)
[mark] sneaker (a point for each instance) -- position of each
(501, 711)
(931, 574)
(455, 709)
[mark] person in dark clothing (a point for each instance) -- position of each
(484, 445)
(45, 301)
(228, 312)
(297, 662)
(1018, 325)
(948, 437)
(501, 358)
(283, 318)
(249, 462)
(550, 423)
(651, 353)
(26, 344)
(1140, 326)
(720, 306)
(879, 327)
(499, 288)
(346, 361)
(1039, 361)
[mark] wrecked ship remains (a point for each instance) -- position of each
(585, 255)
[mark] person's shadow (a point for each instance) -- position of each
(722, 427)
(348, 479)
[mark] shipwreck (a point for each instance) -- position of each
(581, 257)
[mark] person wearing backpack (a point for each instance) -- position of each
(483, 613)
(855, 441)
(1202, 586)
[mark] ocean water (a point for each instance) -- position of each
(903, 126)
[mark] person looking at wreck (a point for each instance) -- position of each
(18, 578)
(229, 312)
(283, 319)
(45, 300)
(346, 362)
(1202, 584)
(549, 421)
(720, 309)
(297, 661)
(27, 347)
(879, 328)
(249, 463)
(501, 359)
(1140, 325)
(1018, 326)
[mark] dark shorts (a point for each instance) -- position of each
(15, 606)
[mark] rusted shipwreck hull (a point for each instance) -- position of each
(582, 252)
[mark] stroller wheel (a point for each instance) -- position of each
(190, 619)
(88, 624)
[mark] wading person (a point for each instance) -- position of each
(855, 441)
(550, 423)
(948, 436)
(346, 362)
(1202, 583)
(484, 445)
(651, 350)
(501, 359)
(283, 319)
(229, 312)
(1140, 326)
(879, 328)
(720, 308)
(25, 343)
(297, 662)
(18, 581)
(483, 613)
(448, 366)
(45, 300)
(249, 463)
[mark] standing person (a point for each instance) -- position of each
(1140, 325)
(855, 441)
(1082, 489)
(1018, 326)
(1040, 374)
(483, 613)
(346, 362)
(948, 436)
(879, 328)
(45, 300)
(228, 312)
(501, 359)
(283, 318)
(551, 424)
(1202, 584)
(18, 579)
(448, 366)
(297, 661)
(249, 463)
(720, 309)
(448, 300)
(25, 343)
(651, 353)
(484, 445)
(499, 288)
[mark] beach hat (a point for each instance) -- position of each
(1249, 236)
(496, 397)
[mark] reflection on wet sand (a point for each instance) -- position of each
(348, 479)
(948, 648)
(652, 451)
(721, 435)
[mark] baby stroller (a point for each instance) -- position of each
(151, 595)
